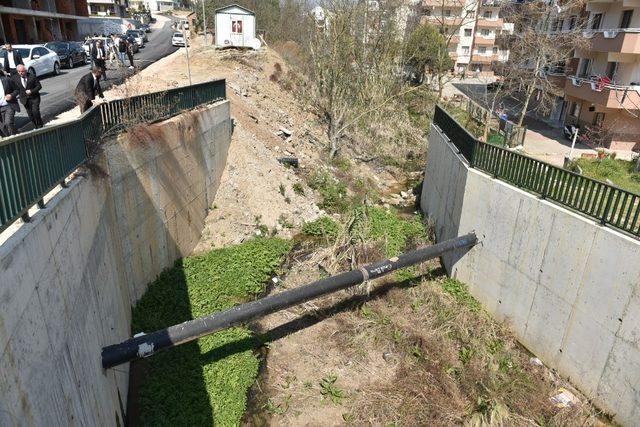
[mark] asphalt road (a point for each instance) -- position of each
(57, 91)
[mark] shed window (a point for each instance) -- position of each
(236, 27)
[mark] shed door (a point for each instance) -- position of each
(237, 30)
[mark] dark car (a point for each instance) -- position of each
(146, 28)
(70, 53)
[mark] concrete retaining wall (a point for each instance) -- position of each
(69, 278)
(569, 288)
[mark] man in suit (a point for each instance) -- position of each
(99, 55)
(87, 89)
(29, 87)
(12, 59)
(8, 106)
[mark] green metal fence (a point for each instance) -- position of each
(33, 163)
(606, 203)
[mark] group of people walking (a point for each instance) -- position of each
(17, 83)
(119, 49)
(19, 86)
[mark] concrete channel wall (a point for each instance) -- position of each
(568, 287)
(69, 278)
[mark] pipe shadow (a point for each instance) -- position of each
(303, 322)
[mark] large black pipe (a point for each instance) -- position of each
(147, 344)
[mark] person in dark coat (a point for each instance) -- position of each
(8, 106)
(12, 59)
(29, 87)
(88, 88)
(99, 55)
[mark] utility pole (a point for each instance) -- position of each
(186, 49)
(204, 25)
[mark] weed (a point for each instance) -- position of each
(333, 192)
(393, 230)
(466, 354)
(461, 294)
(282, 189)
(322, 227)
(298, 189)
(278, 408)
(193, 384)
(348, 418)
(342, 163)
(330, 391)
(287, 200)
(284, 222)
(308, 384)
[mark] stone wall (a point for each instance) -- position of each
(68, 279)
(568, 287)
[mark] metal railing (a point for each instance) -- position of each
(33, 163)
(608, 204)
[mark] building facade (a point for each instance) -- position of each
(116, 8)
(155, 5)
(471, 29)
(602, 93)
(40, 21)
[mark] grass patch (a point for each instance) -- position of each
(460, 293)
(197, 383)
(333, 192)
(620, 172)
(394, 231)
(324, 227)
(496, 139)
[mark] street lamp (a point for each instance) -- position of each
(204, 25)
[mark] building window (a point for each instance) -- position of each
(560, 24)
(596, 20)
(554, 25)
(236, 27)
(625, 22)
(446, 12)
(495, 50)
(585, 67)
(427, 12)
(465, 50)
(482, 49)
(467, 32)
(598, 119)
(572, 22)
(484, 32)
(487, 14)
(575, 110)
(612, 68)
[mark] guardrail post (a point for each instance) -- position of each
(605, 214)
(41, 204)
(547, 184)
(472, 160)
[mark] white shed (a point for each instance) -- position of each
(236, 27)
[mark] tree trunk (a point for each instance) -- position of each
(333, 138)
(530, 89)
(638, 164)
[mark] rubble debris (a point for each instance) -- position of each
(289, 161)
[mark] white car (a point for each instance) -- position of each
(178, 39)
(38, 59)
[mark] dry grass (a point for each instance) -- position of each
(454, 364)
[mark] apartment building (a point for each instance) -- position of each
(39, 21)
(116, 8)
(155, 5)
(472, 28)
(603, 93)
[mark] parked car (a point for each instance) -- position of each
(70, 53)
(38, 59)
(178, 40)
(146, 28)
(136, 35)
(493, 86)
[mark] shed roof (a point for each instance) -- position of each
(227, 9)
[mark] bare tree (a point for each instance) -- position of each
(546, 36)
(433, 12)
(354, 64)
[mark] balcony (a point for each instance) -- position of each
(450, 21)
(484, 41)
(443, 3)
(620, 40)
(490, 23)
(479, 58)
(604, 95)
